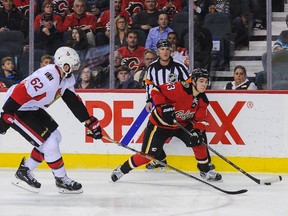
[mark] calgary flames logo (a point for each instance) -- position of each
(133, 63)
(134, 7)
(60, 6)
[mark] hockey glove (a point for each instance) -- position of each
(6, 121)
(168, 114)
(196, 137)
(94, 127)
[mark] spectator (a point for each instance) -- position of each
(200, 7)
(45, 60)
(85, 80)
(8, 75)
(178, 53)
(117, 59)
(241, 82)
(47, 8)
(121, 30)
(103, 23)
(79, 42)
(159, 32)
(11, 18)
(125, 79)
(132, 54)
(81, 18)
(146, 19)
(47, 37)
(202, 44)
(149, 57)
(282, 41)
(97, 8)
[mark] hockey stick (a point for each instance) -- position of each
(258, 181)
(173, 168)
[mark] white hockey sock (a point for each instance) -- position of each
(31, 164)
(61, 172)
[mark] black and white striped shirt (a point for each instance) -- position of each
(158, 74)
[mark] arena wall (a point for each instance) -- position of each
(250, 128)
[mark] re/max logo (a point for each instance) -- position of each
(113, 115)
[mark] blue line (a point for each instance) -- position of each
(134, 127)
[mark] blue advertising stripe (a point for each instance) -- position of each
(134, 127)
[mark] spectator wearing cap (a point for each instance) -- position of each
(47, 37)
(159, 32)
(47, 8)
(124, 79)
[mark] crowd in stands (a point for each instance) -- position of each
(139, 24)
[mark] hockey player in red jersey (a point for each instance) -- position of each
(187, 104)
(23, 110)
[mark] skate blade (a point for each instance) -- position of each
(21, 184)
(158, 169)
(65, 191)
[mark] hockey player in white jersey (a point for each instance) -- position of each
(23, 110)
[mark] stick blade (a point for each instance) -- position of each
(235, 192)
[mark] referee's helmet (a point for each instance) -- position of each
(163, 43)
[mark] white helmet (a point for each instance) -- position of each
(67, 56)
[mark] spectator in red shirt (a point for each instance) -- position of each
(81, 18)
(132, 54)
(47, 8)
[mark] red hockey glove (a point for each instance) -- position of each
(6, 121)
(95, 130)
(196, 137)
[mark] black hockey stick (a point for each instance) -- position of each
(173, 168)
(258, 181)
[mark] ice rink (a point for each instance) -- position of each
(144, 193)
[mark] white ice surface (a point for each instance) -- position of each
(144, 193)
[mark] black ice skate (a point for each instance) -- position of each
(211, 175)
(156, 166)
(117, 174)
(68, 186)
(25, 178)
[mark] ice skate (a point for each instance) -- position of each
(117, 174)
(25, 178)
(68, 186)
(153, 165)
(211, 175)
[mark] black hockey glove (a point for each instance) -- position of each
(94, 127)
(6, 121)
(196, 137)
(168, 114)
